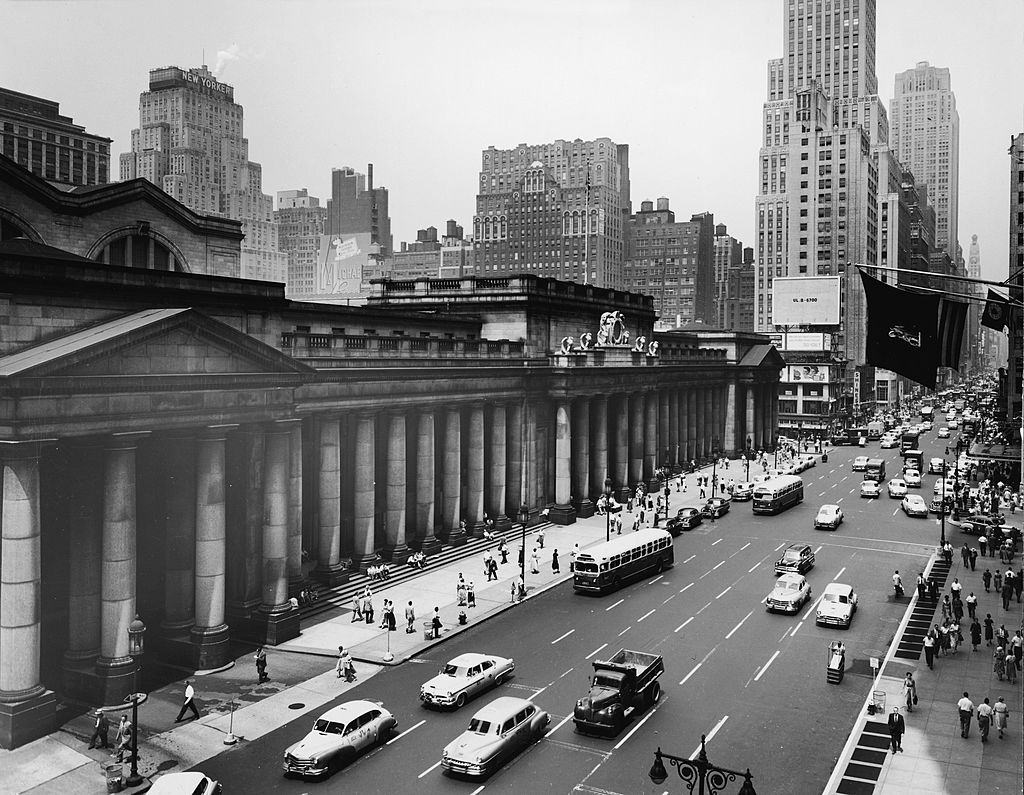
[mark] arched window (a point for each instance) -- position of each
(10, 229)
(503, 233)
(139, 249)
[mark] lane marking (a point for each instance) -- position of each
(748, 615)
(673, 596)
(686, 588)
(633, 731)
(692, 672)
(839, 574)
(400, 736)
(712, 733)
(624, 631)
(720, 563)
(780, 546)
(645, 615)
(852, 490)
(434, 766)
(595, 651)
(561, 723)
(785, 633)
(540, 691)
(656, 579)
(567, 672)
(796, 629)
(614, 605)
(723, 593)
(896, 511)
(744, 546)
(818, 549)
(689, 558)
(771, 659)
(823, 494)
(751, 569)
(719, 541)
(840, 499)
(684, 624)
(703, 608)
(562, 637)
(478, 790)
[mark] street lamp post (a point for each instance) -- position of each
(942, 506)
(607, 509)
(714, 466)
(699, 772)
(136, 641)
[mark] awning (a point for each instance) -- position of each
(1004, 453)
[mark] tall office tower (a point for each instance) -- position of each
(189, 142)
(556, 209)
(728, 252)
(358, 208)
(300, 223)
(894, 245)
(739, 299)
(35, 136)
(925, 129)
(1015, 357)
(672, 261)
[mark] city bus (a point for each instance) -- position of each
(909, 440)
(614, 563)
(777, 494)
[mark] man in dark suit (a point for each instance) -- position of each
(896, 729)
(100, 731)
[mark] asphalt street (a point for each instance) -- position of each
(753, 682)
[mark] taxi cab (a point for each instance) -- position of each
(339, 736)
(496, 733)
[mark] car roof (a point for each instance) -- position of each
(789, 576)
(798, 547)
(348, 710)
(838, 587)
(177, 783)
(914, 498)
(829, 506)
(501, 708)
(468, 659)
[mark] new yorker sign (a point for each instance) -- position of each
(176, 78)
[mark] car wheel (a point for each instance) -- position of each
(655, 694)
(660, 567)
(382, 735)
(460, 701)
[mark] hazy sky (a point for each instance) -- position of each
(420, 88)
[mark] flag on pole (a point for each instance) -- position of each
(952, 321)
(902, 331)
(997, 312)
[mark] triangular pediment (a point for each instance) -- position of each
(151, 342)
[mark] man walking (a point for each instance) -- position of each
(984, 719)
(261, 665)
(896, 728)
(189, 703)
(410, 618)
(1002, 712)
(972, 604)
(965, 709)
(100, 730)
(929, 650)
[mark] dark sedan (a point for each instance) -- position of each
(715, 507)
(685, 519)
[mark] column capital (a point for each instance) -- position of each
(23, 449)
(216, 431)
(127, 440)
(282, 426)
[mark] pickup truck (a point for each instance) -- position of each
(621, 686)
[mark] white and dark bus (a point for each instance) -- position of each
(614, 563)
(777, 494)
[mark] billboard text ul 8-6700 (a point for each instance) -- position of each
(805, 301)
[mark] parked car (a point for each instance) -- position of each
(339, 736)
(795, 557)
(790, 593)
(743, 491)
(944, 485)
(913, 505)
(496, 733)
(897, 488)
(685, 519)
(465, 677)
(185, 784)
(936, 466)
(829, 518)
(943, 433)
(953, 423)
(860, 463)
(912, 478)
(869, 488)
(837, 606)
(716, 507)
(979, 525)
(941, 506)
(888, 442)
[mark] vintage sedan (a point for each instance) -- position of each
(185, 784)
(953, 423)
(860, 463)
(496, 733)
(339, 736)
(888, 442)
(464, 677)
(869, 488)
(936, 466)
(743, 491)
(715, 507)
(795, 558)
(829, 518)
(837, 606)
(941, 506)
(943, 432)
(790, 593)
(685, 519)
(914, 505)
(897, 488)
(912, 478)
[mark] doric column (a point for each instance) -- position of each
(180, 533)
(730, 443)
(621, 428)
(209, 633)
(329, 569)
(563, 512)
(245, 516)
(636, 439)
(425, 464)
(514, 494)
(275, 611)
(773, 397)
(475, 471)
(702, 424)
(395, 547)
(664, 435)
(674, 429)
(651, 412)
(691, 423)
(530, 467)
(295, 575)
(599, 469)
(27, 709)
(749, 428)
(364, 492)
(451, 499)
(581, 458)
(709, 421)
(115, 667)
(496, 495)
(85, 525)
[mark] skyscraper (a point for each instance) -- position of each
(1015, 364)
(189, 142)
(728, 253)
(556, 209)
(300, 223)
(925, 135)
(356, 207)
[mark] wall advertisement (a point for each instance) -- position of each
(802, 341)
(806, 373)
(805, 301)
(341, 263)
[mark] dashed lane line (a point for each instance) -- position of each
(735, 628)
(673, 596)
(720, 563)
(684, 624)
(562, 637)
(634, 730)
(780, 546)
(723, 593)
(433, 767)
(785, 633)
(839, 574)
(703, 608)
(561, 723)
(656, 579)
(567, 672)
(796, 629)
(478, 790)
(645, 615)
(686, 588)
(719, 541)
(400, 736)
(624, 631)
(818, 549)
(692, 672)
(759, 674)
(614, 605)
(710, 734)
(595, 651)
(762, 560)
(689, 558)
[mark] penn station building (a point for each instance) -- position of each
(187, 446)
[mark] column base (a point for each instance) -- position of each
(623, 495)
(296, 582)
(562, 514)
(209, 647)
(331, 575)
(586, 509)
(397, 554)
(476, 530)
(241, 611)
(115, 679)
(457, 538)
(28, 719)
(175, 646)
(78, 676)
(502, 523)
(430, 546)
(276, 627)
(361, 562)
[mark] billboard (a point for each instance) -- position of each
(802, 341)
(806, 373)
(805, 301)
(341, 263)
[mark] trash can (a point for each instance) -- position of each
(112, 772)
(428, 631)
(824, 458)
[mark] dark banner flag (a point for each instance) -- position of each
(997, 312)
(902, 331)
(952, 320)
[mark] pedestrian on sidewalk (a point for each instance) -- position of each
(367, 606)
(189, 703)
(933, 590)
(261, 665)
(988, 629)
(100, 731)
(1003, 636)
(503, 551)
(703, 493)
(929, 650)
(947, 608)
(1002, 712)
(921, 587)
(540, 537)
(986, 578)
(965, 554)
(512, 590)
(1010, 664)
(972, 604)
(410, 618)
(999, 662)
(965, 709)
(572, 556)
(390, 616)
(520, 589)
(344, 665)
(534, 562)
(983, 544)
(470, 595)
(955, 589)
(122, 726)
(435, 622)
(357, 608)
(997, 581)
(974, 558)
(125, 745)
(910, 691)
(554, 563)
(975, 634)
(1007, 594)
(1018, 584)
(958, 610)
(1017, 644)
(896, 728)
(487, 564)
(984, 719)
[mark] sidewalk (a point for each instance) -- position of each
(302, 676)
(936, 759)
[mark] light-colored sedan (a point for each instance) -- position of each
(496, 733)
(837, 606)
(897, 488)
(912, 478)
(869, 488)
(790, 593)
(913, 505)
(465, 677)
(185, 784)
(953, 423)
(339, 736)
(829, 517)
(743, 491)
(943, 485)
(888, 442)
(943, 433)
(860, 463)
